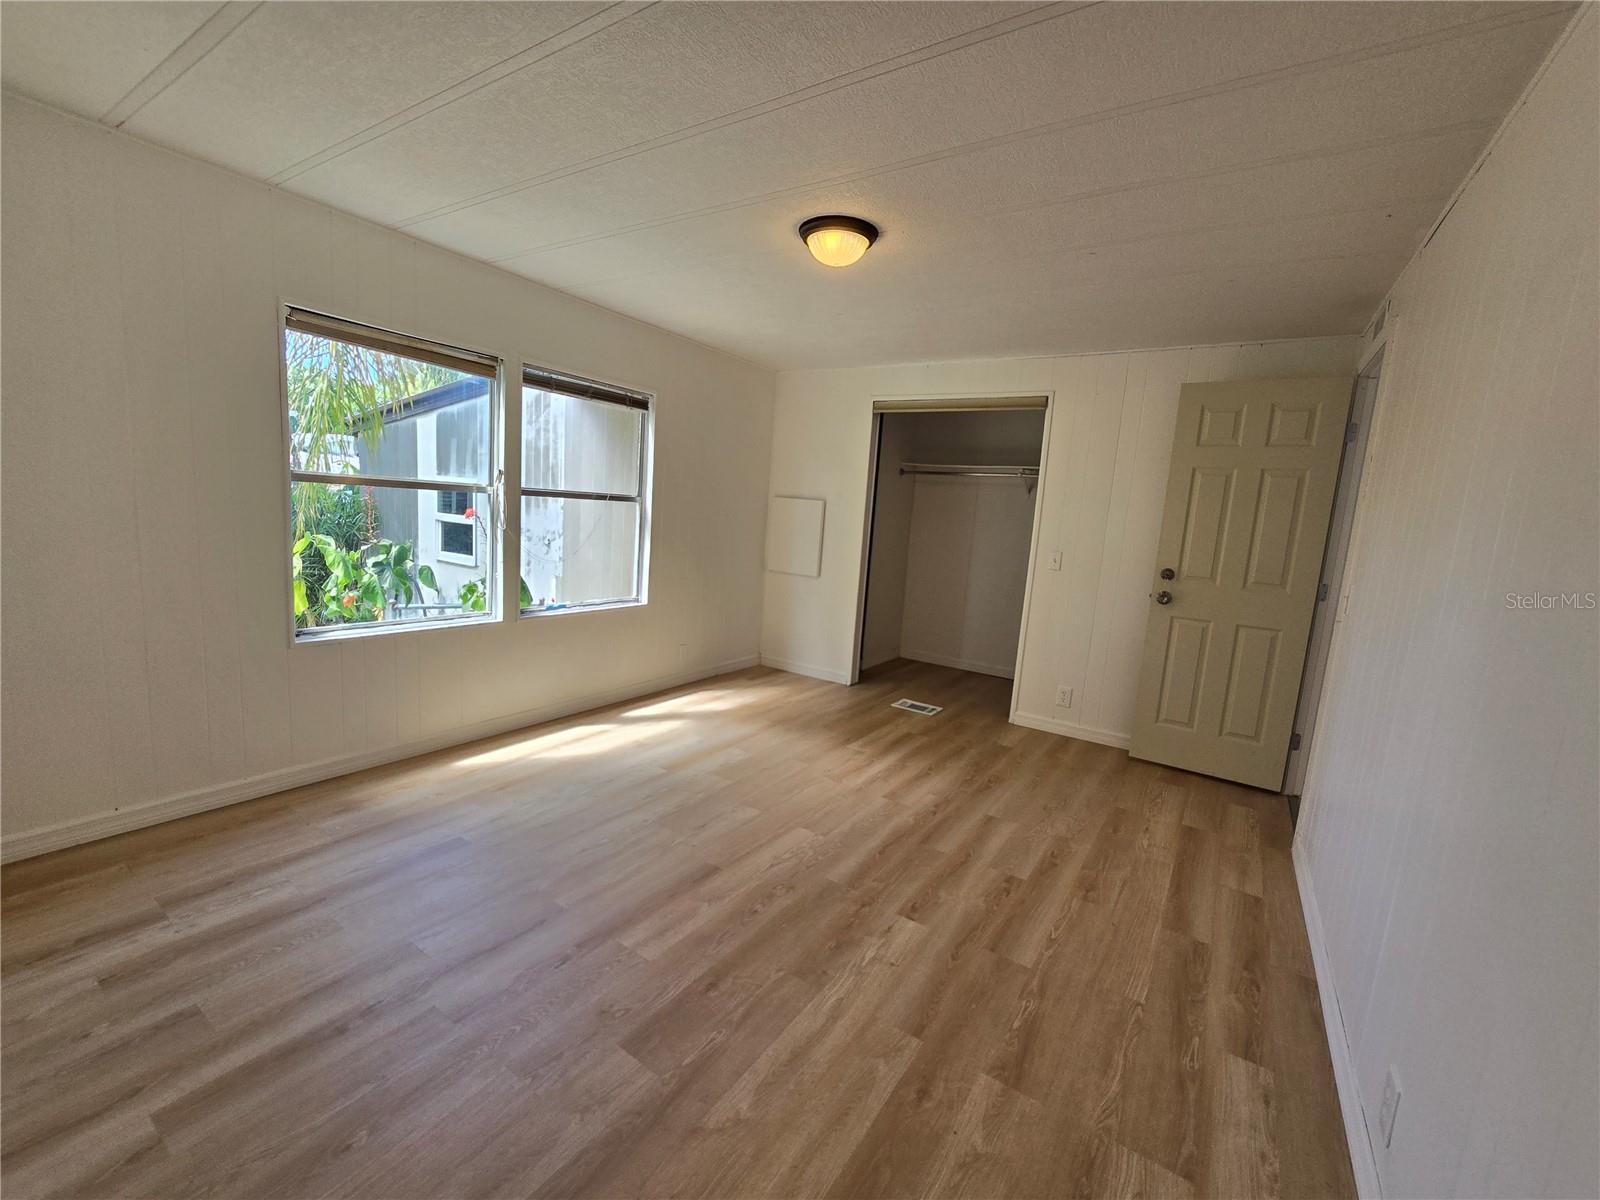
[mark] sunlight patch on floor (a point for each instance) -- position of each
(581, 741)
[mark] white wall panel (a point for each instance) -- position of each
(794, 534)
(1105, 471)
(891, 543)
(1451, 830)
(967, 570)
(147, 664)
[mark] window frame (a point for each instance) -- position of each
(490, 367)
(580, 387)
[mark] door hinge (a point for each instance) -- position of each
(1350, 431)
(1294, 741)
(1322, 592)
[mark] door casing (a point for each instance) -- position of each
(1332, 587)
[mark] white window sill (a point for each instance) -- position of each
(341, 633)
(569, 609)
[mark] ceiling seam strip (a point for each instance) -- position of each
(210, 34)
(1265, 223)
(1243, 83)
(1108, 243)
(1132, 280)
(1160, 181)
(1254, 164)
(573, 35)
(1260, 265)
(878, 70)
(1092, 287)
(1139, 185)
(1494, 138)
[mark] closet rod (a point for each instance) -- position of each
(963, 469)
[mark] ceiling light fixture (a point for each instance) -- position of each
(836, 241)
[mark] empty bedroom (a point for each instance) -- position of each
(773, 600)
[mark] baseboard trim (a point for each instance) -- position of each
(960, 664)
(809, 669)
(1084, 733)
(1363, 1160)
(14, 847)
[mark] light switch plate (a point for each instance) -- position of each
(1055, 561)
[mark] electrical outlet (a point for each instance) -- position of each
(1391, 1105)
(1055, 561)
(1063, 697)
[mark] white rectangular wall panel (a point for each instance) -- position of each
(794, 535)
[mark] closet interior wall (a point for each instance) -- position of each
(948, 563)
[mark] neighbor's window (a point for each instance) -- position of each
(390, 467)
(584, 519)
(458, 528)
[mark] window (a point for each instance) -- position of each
(390, 469)
(458, 528)
(585, 451)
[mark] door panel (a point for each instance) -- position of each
(1276, 529)
(1254, 465)
(1187, 642)
(1204, 523)
(1220, 425)
(1250, 680)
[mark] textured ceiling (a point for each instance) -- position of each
(1048, 178)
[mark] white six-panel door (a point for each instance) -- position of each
(1254, 464)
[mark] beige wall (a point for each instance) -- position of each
(1450, 840)
(146, 656)
(1104, 475)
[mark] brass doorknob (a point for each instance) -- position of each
(1163, 597)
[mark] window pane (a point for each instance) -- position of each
(579, 445)
(373, 554)
(457, 538)
(355, 410)
(579, 551)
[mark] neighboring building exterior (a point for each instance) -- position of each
(574, 551)
(442, 433)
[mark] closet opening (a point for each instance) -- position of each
(949, 532)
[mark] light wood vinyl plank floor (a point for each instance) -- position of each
(756, 937)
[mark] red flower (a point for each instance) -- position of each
(471, 512)
(350, 600)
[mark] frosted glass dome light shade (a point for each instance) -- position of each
(837, 241)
